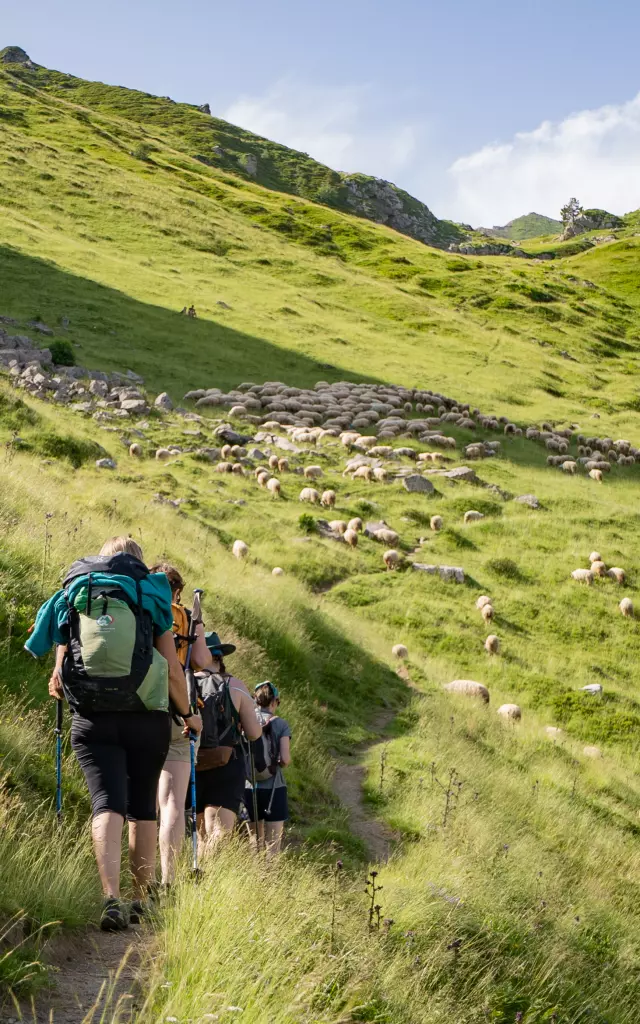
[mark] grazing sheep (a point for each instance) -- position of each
(386, 536)
(225, 451)
(487, 612)
(162, 454)
(594, 752)
(511, 711)
(224, 467)
(391, 559)
(283, 465)
(363, 473)
(472, 516)
(273, 462)
(599, 568)
(338, 526)
(273, 486)
(310, 494)
(277, 571)
(258, 471)
(480, 603)
(569, 466)
(380, 474)
(355, 524)
(626, 607)
(596, 474)
(351, 537)
(136, 450)
(238, 469)
(595, 557)
(436, 523)
(312, 472)
(617, 574)
(239, 549)
(492, 644)
(263, 478)
(328, 499)
(399, 651)
(468, 688)
(583, 576)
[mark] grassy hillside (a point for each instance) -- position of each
(530, 225)
(512, 889)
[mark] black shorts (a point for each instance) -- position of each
(279, 810)
(221, 787)
(121, 755)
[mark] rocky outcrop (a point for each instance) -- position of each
(590, 220)
(497, 249)
(16, 55)
(385, 203)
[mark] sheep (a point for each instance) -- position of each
(363, 473)
(309, 494)
(472, 516)
(626, 607)
(583, 576)
(617, 574)
(264, 478)
(136, 450)
(312, 472)
(436, 523)
(328, 499)
(225, 451)
(596, 474)
(468, 688)
(283, 465)
(386, 536)
(258, 471)
(511, 711)
(380, 474)
(338, 526)
(351, 537)
(162, 454)
(239, 549)
(273, 486)
(391, 559)
(595, 557)
(492, 644)
(355, 524)
(277, 571)
(480, 603)
(569, 466)
(598, 568)
(399, 651)
(238, 469)
(487, 612)
(273, 462)
(224, 467)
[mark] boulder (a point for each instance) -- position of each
(462, 473)
(594, 689)
(417, 484)
(133, 405)
(468, 688)
(528, 499)
(163, 402)
(105, 464)
(450, 573)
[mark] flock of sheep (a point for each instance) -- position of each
(599, 569)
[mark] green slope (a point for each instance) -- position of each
(530, 225)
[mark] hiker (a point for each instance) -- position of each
(227, 708)
(175, 775)
(271, 788)
(191, 311)
(183, 311)
(116, 665)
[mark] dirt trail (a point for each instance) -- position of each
(347, 785)
(93, 973)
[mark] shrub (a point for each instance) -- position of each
(57, 446)
(62, 353)
(307, 523)
(14, 413)
(141, 151)
(506, 569)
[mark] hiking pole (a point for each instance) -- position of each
(196, 619)
(254, 795)
(58, 732)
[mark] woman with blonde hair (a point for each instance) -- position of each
(116, 665)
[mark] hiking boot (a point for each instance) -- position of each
(113, 917)
(137, 911)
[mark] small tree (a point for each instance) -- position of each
(571, 211)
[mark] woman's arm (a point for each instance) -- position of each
(55, 682)
(165, 645)
(285, 751)
(246, 709)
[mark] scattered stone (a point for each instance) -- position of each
(105, 464)
(528, 499)
(417, 484)
(37, 325)
(204, 108)
(231, 436)
(462, 474)
(129, 405)
(223, 305)
(594, 689)
(449, 573)
(163, 402)
(255, 453)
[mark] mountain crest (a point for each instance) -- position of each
(15, 55)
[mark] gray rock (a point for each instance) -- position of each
(133, 405)
(255, 453)
(450, 573)
(98, 387)
(37, 325)
(163, 402)
(82, 406)
(223, 305)
(204, 108)
(251, 164)
(105, 464)
(528, 499)
(593, 689)
(417, 484)
(462, 473)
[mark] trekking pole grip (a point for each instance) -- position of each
(59, 711)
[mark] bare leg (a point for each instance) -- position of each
(219, 823)
(106, 832)
(273, 837)
(257, 841)
(142, 855)
(172, 791)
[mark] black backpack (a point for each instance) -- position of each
(265, 750)
(110, 646)
(220, 721)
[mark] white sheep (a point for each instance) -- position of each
(351, 537)
(568, 467)
(626, 607)
(355, 524)
(511, 711)
(472, 516)
(380, 474)
(391, 559)
(363, 473)
(239, 549)
(480, 603)
(468, 688)
(596, 474)
(273, 461)
(273, 486)
(224, 467)
(225, 451)
(617, 574)
(487, 612)
(492, 644)
(328, 499)
(238, 469)
(309, 494)
(583, 576)
(598, 568)
(277, 571)
(386, 536)
(162, 454)
(312, 472)
(399, 651)
(283, 465)
(436, 523)
(136, 450)
(338, 526)
(264, 478)
(595, 556)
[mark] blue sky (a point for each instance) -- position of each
(484, 109)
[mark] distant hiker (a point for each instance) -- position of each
(183, 311)
(174, 778)
(191, 311)
(227, 709)
(271, 788)
(116, 664)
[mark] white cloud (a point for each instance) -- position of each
(341, 127)
(594, 155)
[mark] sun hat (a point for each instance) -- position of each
(216, 646)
